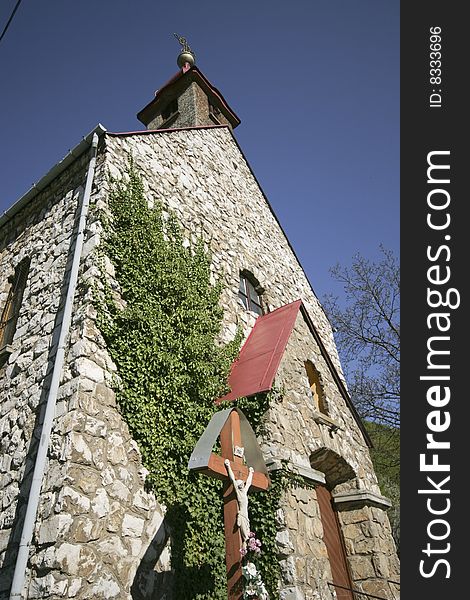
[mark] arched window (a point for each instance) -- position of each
(12, 305)
(249, 292)
(316, 387)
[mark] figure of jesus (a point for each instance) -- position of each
(241, 490)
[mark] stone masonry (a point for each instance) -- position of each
(99, 533)
(334, 446)
(207, 182)
(96, 527)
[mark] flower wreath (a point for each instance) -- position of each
(254, 588)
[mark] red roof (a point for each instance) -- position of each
(255, 368)
(192, 74)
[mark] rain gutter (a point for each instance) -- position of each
(91, 141)
(56, 170)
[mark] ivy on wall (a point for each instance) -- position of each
(170, 371)
(162, 336)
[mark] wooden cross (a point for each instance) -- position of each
(230, 438)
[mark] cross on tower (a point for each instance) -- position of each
(231, 443)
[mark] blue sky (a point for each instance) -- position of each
(314, 82)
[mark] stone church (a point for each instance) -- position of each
(76, 518)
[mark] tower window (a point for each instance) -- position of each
(249, 293)
(316, 387)
(170, 109)
(12, 305)
(214, 113)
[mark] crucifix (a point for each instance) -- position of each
(229, 466)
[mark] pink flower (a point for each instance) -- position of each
(254, 544)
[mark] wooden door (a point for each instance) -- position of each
(333, 539)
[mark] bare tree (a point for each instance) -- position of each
(367, 332)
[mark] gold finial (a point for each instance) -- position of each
(186, 55)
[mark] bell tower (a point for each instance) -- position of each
(188, 99)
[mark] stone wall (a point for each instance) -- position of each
(98, 532)
(371, 553)
(42, 231)
(202, 176)
(327, 449)
(301, 427)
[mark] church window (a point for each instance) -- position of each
(214, 110)
(214, 113)
(249, 293)
(12, 305)
(316, 387)
(170, 109)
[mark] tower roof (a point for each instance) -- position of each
(214, 110)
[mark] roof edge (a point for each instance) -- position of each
(168, 130)
(197, 127)
(193, 74)
(336, 376)
(56, 170)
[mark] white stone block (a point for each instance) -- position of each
(100, 503)
(74, 587)
(89, 370)
(68, 556)
(132, 526)
(53, 528)
(105, 588)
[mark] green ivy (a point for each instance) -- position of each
(162, 334)
(170, 369)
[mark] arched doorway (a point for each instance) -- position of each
(334, 543)
(336, 471)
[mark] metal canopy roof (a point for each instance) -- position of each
(199, 459)
(254, 370)
(164, 94)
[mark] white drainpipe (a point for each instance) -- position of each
(19, 575)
